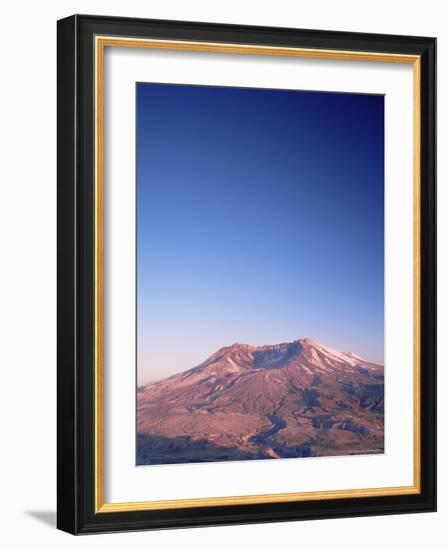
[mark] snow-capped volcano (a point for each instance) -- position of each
(293, 399)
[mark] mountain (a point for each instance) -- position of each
(296, 399)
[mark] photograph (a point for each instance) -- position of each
(260, 274)
(246, 273)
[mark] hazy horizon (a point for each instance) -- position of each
(260, 220)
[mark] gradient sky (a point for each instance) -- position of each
(260, 219)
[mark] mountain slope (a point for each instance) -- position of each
(287, 400)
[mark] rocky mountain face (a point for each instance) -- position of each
(297, 399)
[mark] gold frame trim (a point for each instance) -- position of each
(101, 42)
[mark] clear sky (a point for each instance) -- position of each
(260, 219)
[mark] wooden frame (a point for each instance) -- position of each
(81, 44)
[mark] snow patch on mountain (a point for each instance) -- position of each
(276, 356)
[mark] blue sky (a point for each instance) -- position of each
(260, 219)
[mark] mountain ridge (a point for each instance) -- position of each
(240, 346)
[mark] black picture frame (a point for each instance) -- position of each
(76, 286)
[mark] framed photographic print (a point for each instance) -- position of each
(246, 274)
